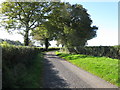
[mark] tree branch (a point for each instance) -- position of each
(35, 26)
(32, 23)
(21, 8)
(21, 19)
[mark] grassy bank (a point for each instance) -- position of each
(106, 68)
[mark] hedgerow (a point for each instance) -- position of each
(107, 51)
(16, 62)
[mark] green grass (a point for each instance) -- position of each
(104, 67)
(34, 75)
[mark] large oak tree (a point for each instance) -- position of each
(73, 25)
(24, 16)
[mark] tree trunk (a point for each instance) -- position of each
(26, 38)
(46, 44)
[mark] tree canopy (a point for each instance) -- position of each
(72, 25)
(41, 33)
(24, 15)
(68, 24)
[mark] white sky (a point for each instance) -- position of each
(105, 36)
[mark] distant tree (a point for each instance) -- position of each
(24, 16)
(47, 31)
(11, 42)
(18, 43)
(41, 34)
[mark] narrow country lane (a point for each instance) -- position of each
(59, 73)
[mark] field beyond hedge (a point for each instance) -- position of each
(105, 68)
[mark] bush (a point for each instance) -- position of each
(16, 62)
(107, 51)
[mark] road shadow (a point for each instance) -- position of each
(51, 79)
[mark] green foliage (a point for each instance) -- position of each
(23, 16)
(66, 23)
(11, 42)
(33, 79)
(0, 58)
(107, 51)
(41, 34)
(4, 44)
(71, 25)
(106, 68)
(19, 64)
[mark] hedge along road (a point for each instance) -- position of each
(0, 68)
(58, 73)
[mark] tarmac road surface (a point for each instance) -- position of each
(59, 73)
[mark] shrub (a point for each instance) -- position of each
(107, 51)
(16, 62)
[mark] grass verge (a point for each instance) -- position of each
(103, 67)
